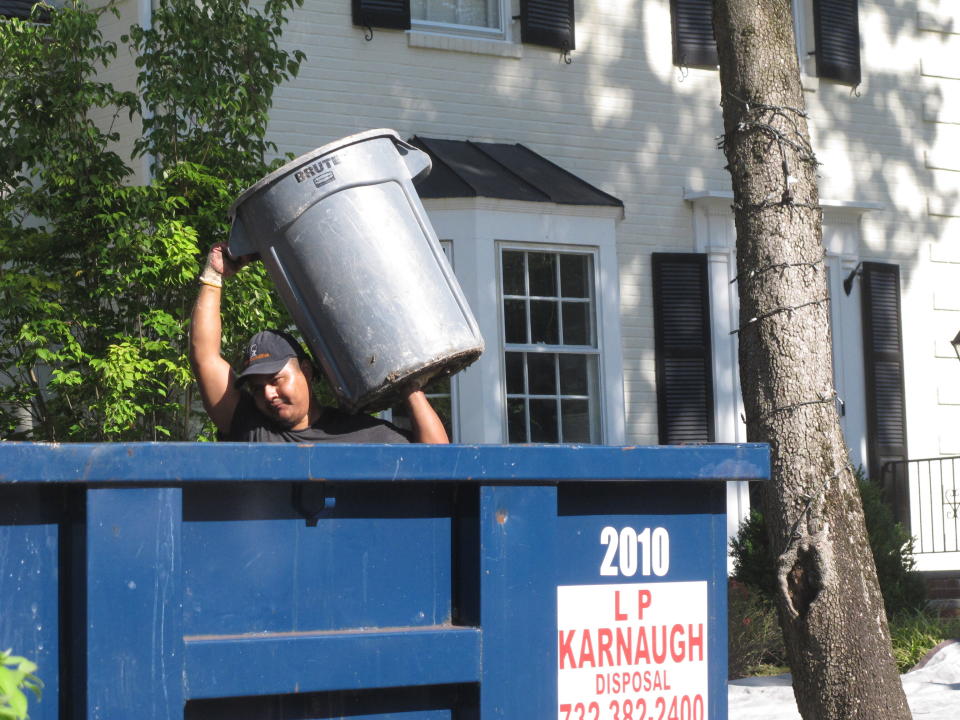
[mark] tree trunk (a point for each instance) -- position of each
(829, 603)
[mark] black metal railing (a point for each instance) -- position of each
(925, 495)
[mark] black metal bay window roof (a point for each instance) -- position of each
(20, 9)
(463, 168)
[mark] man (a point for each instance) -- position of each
(271, 399)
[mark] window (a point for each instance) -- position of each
(542, 22)
(471, 14)
(835, 34)
(551, 351)
(520, 222)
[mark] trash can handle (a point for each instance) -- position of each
(238, 244)
(417, 161)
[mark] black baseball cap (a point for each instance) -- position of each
(267, 353)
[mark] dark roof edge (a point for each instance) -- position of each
(434, 156)
(614, 200)
(23, 10)
(479, 147)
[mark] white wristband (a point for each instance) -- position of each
(211, 277)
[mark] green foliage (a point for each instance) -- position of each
(208, 71)
(754, 638)
(902, 587)
(754, 563)
(16, 675)
(914, 634)
(752, 614)
(756, 644)
(99, 272)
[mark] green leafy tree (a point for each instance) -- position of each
(98, 272)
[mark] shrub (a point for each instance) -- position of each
(754, 564)
(902, 587)
(914, 634)
(754, 636)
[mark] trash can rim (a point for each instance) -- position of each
(308, 157)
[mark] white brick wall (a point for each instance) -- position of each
(123, 74)
(637, 134)
(622, 117)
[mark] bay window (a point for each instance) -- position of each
(551, 353)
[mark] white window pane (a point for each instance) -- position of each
(575, 276)
(543, 274)
(574, 378)
(515, 373)
(544, 327)
(472, 13)
(576, 420)
(542, 373)
(543, 421)
(517, 421)
(547, 301)
(515, 321)
(514, 273)
(577, 323)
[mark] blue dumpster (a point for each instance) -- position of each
(240, 581)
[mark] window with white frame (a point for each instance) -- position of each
(471, 16)
(551, 347)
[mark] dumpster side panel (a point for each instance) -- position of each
(317, 662)
(29, 586)
(28, 604)
(134, 607)
(379, 558)
(445, 702)
(258, 582)
(518, 604)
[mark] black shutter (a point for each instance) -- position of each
(883, 366)
(547, 22)
(681, 318)
(692, 23)
(394, 14)
(837, 35)
(22, 9)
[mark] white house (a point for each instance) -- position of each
(585, 207)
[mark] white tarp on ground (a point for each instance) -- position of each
(932, 687)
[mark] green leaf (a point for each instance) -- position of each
(98, 271)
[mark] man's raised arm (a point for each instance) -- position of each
(426, 424)
(214, 374)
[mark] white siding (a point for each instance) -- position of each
(122, 72)
(622, 117)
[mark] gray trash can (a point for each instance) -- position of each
(346, 240)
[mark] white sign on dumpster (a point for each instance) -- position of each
(632, 652)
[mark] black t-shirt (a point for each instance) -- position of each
(333, 426)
